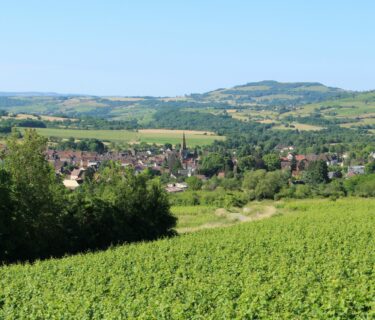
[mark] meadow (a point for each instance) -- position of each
(158, 136)
(314, 260)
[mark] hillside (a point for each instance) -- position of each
(273, 93)
(265, 93)
(269, 102)
(357, 109)
(308, 263)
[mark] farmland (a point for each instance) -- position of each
(159, 136)
(309, 262)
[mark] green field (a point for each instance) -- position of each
(158, 136)
(314, 261)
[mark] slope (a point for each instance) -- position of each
(315, 261)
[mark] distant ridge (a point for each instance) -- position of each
(38, 94)
(264, 85)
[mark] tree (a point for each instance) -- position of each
(272, 162)
(38, 198)
(370, 167)
(194, 183)
(252, 178)
(7, 218)
(317, 172)
(246, 163)
(212, 164)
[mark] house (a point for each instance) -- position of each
(173, 189)
(286, 165)
(221, 175)
(284, 148)
(181, 185)
(202, 177)
(334, 174)
(176, 187)
(71, 184)
(355, 170)
(77, 174)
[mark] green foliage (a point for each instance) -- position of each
(272, 162)
(93, 145)
(317, 172)
(361, 185)
(39, 218)
(261, 184)
(212, 164)
(370, 167)
(247, 163)
(194, 183)
(279, 268)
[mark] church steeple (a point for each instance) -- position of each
(183, 141)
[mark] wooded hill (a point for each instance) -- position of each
(266, 101)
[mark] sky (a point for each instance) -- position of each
(170, 48)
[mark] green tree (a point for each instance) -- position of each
(370, 167)
(8, 220)
(246, 163)
(194, 183)
(212, 164)
(272, 162)
(252, 178)
(38, 197)
(317, 172)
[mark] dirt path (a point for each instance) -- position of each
(235, 218)
(266, 212)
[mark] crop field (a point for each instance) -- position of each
(159, 136)
(314, 261)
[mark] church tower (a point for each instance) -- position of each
(183, 141)
(183, 151)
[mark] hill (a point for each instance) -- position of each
(273, 93)
(265, 93)
(299, 105)
(308, 263)
(356, 108)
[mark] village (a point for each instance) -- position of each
(183, 162)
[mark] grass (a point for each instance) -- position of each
(314, 262)
(193, 138)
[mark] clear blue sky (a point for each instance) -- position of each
(175, 47)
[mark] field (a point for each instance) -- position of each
(158, 136)
(314, 260)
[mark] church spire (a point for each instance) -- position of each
(183, 141)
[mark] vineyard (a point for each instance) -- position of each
(315, 260)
